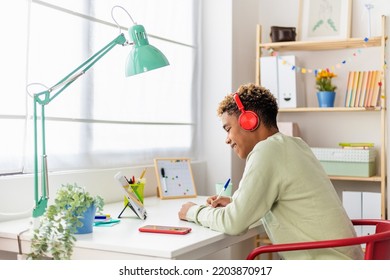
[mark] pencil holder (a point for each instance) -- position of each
(138, 188)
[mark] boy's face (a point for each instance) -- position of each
(240, 140)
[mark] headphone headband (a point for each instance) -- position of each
(238, 102)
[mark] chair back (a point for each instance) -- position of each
(377, 244)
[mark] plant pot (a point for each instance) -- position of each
(87, 220)
(326, 98)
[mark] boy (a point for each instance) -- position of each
(283, 183)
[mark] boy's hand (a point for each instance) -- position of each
(222, 201)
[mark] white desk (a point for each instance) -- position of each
(124, 241)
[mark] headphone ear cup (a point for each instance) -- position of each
(248, 120)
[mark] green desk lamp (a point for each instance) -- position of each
(142, 58)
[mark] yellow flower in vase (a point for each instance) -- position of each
(326, 90)
(324, 80)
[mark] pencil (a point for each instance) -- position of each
(143, 173)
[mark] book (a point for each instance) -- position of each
(349, 88)
(363, 89)
(367, 102)
(366, 88)
(359, 89)
(356, 78)
(376, 89)
(356, 145)
(356, 148)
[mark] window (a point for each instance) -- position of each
(103, 119)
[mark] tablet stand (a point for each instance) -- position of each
(124, 208)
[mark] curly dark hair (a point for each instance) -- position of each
(254, 98)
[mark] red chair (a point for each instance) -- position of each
(377, 244)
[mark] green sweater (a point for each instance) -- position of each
(285, 187)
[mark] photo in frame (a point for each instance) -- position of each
(324, 20)
(174, 178)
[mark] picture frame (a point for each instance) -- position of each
(174, 178)
(324, 20)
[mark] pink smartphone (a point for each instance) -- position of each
(165, 229)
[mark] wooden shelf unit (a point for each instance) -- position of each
(325, 45)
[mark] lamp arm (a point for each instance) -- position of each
(74, 75)
(43, 98)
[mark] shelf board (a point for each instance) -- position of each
(363, 179)
(353, 43)
(329, 109)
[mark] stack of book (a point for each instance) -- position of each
(363, 88)
(356, 146)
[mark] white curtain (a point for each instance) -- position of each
(103, 119)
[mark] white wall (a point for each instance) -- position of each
(245, 19)
(229, 53)
(216, 83)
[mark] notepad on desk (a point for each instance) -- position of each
(106, 223)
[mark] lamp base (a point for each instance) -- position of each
(40, 209)
(35, 223)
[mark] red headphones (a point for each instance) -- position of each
(248, 120)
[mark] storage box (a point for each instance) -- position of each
(347, 162)
(289, 128)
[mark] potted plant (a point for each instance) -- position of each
(326, 89)
(55, 236)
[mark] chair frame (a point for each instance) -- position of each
(377, 244)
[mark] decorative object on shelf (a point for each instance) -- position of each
(342, 62)
(369, 6)
(324, 19)
(54, 238)
(326, 98)
(143, 57)
(282, 34)
(326, 90)
(286, 85)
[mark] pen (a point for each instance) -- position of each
(102, 216)
(164, 181)
(223, 189)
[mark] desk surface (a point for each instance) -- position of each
(124, 241)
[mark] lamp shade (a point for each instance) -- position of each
(143, 57)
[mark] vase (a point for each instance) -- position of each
(87, 220)
(326, 98)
